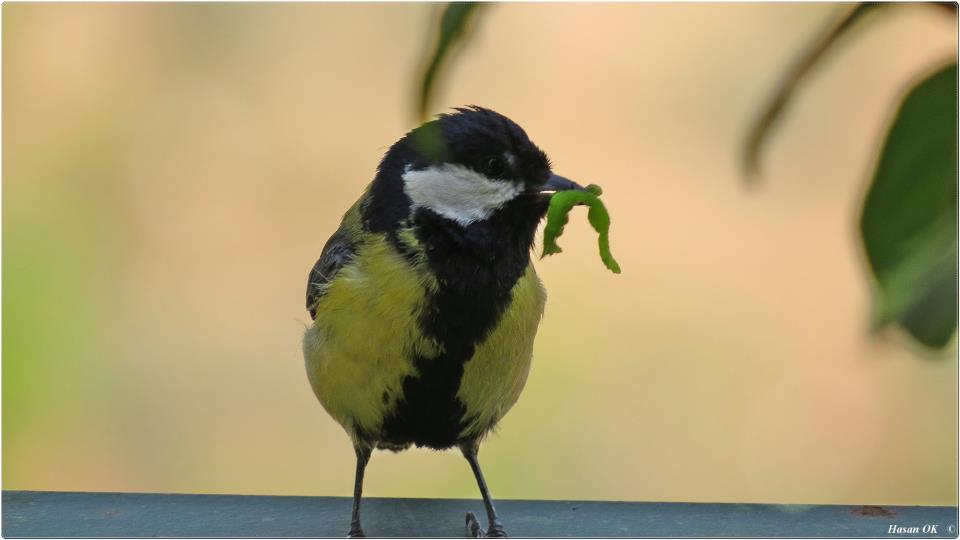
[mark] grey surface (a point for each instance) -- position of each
(32, 513)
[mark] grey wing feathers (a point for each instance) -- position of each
(337, 252)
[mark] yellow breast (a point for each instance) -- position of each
(494, 377)
(357, 351)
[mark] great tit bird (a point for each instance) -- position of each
(425, 302)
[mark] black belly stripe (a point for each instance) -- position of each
(474, 293)
(430, 413)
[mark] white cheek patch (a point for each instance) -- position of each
(458, 193)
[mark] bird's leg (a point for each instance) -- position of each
(494, 527)
(363, 456)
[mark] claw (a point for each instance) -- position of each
(496, 531)
(475, 531)
(473, 526)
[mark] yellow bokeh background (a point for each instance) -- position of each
(171, 172)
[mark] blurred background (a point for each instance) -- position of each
(171, 172)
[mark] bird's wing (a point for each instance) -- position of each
(336, 253)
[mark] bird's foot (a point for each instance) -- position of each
(356, 531)
(475, 531)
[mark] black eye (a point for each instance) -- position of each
(493, 167)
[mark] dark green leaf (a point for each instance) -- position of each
(909, 221)
(454, 23)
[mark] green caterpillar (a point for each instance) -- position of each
(557, 216)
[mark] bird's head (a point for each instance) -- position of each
(472, 168)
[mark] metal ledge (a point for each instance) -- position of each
(62, 514)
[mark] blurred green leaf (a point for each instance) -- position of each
(428, 140)
(909, 217)
(454, 22)
(774, 109)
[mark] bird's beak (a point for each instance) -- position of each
(558, 183)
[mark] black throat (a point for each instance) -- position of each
(476, 267)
